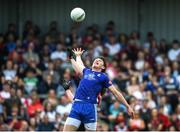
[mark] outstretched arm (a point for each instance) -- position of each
(78, 64)
(120, 98)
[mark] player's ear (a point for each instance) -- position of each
(103, 67)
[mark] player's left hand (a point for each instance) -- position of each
(66, 84)
(130, 111)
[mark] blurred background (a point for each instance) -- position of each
(139, 38)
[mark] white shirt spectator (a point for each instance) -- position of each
(139, 65)
(151, 104)
(173, 54)
(59, 55)
(51, 115)
(113, 48)
(62, 109)
(159, 59)
(9, 74)
(5, 95)
(97, 51)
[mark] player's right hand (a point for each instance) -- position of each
(130, 111)
(66, 84)
(78, 51)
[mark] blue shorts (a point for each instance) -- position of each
(84, 112)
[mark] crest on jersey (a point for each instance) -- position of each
(110, 82)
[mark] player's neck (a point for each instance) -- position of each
(96, 69)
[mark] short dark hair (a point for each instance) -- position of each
(104, 61)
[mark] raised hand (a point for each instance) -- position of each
(78, 51)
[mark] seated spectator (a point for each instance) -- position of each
(176, 71)
(45, 85)
(32, 124)
(59, 53)
(170, 85)
(155, 123)
(151, 103)
(121, 123)
(26, 101)
(64, 106)
(13, 102)
(5, 93)
(53, 30)
(135, 37)
(52, 98)
(139, 64)
(30, 80)
(49, 111)
(152, 84)
(114, 110)
(144, 112)
(174, 52)
(137, 123)
(113, 46)
(45, 125)
(30, 54)
(36, 105)
(10, 72)
(166, 107)
(52, 72)
(98, 48)
(11, 42)
(134, 89)
(15, 123)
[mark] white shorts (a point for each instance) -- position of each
(76, 123)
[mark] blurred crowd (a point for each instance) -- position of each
(34, 64)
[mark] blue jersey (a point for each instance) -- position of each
(90, 85)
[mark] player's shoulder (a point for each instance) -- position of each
(104, 75)
(86, 69)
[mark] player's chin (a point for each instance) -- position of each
(95, 66)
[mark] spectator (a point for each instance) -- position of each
(166, 107)
(174, 52)
(49, 111)
(113, 46)
(52, 98)
(36, 105)
(52, 72)
(64, 106)
(32, 124)
(11, 42)
(134, 89)
(45, 125)
(59, 53)
(121, 123)
(5, 93)
(13, 103)
(30, 54)
(170, 85)
(151, 103)
(30, 80)
(46, 85)
(26, 101)
(9, 73)
(139, 64)
(137, 123)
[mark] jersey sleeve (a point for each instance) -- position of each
(84, 70)
(107, 82)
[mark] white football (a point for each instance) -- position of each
(78, 14)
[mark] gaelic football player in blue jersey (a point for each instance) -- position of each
(85, 99)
